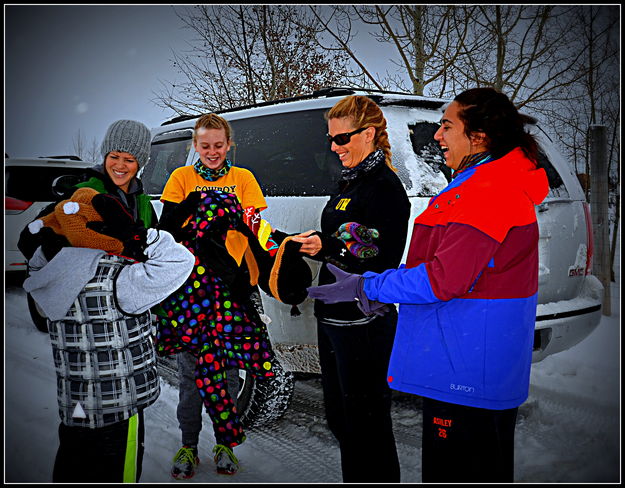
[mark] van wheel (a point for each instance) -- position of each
(37, 317)
(264, 400)
(259, 401)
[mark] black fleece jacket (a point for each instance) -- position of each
(378, 200)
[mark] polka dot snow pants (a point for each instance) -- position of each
(247, 353)
(203, 318)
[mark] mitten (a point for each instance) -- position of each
(344, 289)
(261, 230)
(347, 287)
(118, 223)
(252, 218)
(357, 232)
(361, 250)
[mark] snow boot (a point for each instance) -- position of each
(185, 461)
(225, 460)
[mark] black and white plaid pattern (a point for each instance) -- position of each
(104, 359)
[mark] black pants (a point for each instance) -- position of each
(111, 454)
(467, 444)
(354, 364)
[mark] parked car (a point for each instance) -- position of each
(283, 143)
(28, 188)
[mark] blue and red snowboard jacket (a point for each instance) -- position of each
(468, 292)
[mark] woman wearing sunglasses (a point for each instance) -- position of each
(355, 345)
(468, 292)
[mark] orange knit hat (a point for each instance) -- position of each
(70, 219)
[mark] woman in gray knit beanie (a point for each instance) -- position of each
(125, 149)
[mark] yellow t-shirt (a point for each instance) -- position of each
(239, 181)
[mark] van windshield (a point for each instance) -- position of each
(288, 153)
(168, 152)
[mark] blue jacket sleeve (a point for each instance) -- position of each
(400, 286)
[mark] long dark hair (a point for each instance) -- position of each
(490, 111)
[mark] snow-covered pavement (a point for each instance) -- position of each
(568, 430)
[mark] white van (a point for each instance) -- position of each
(284, 144)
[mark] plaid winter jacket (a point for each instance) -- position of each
(105, 361)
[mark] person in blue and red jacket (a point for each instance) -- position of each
(468, 292)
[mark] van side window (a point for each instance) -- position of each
(34, 183)
(557, 188)
(427, 149)
(168, 152)
(424, 146)
(287, 152)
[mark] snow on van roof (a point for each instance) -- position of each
(321, 97)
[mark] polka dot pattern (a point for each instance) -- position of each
(204, 317)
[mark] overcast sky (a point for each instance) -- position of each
(73, 67)
(80, 67)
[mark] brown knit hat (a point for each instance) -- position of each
(284, 276)
(290, 275)
(70, 219)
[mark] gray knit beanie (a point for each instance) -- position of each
(128, 136)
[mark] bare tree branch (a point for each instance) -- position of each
(243, 54)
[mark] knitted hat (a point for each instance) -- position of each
(279, 267)
(70, 218)
(290, 274)
(128, 136)
(217, 212)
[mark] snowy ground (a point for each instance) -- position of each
(568, 430)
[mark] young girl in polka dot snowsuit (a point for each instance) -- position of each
(206, 316)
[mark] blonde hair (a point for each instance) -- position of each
(212, 121)
(364, 112)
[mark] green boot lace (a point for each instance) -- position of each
(184, 463)
(225, 460)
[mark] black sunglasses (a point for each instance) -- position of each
(342, 139)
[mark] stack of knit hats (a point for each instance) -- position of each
(358, 239)
(261, 229)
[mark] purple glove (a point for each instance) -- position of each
(347, 287)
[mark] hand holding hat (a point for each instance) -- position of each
(119, 224)
(174, 221)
